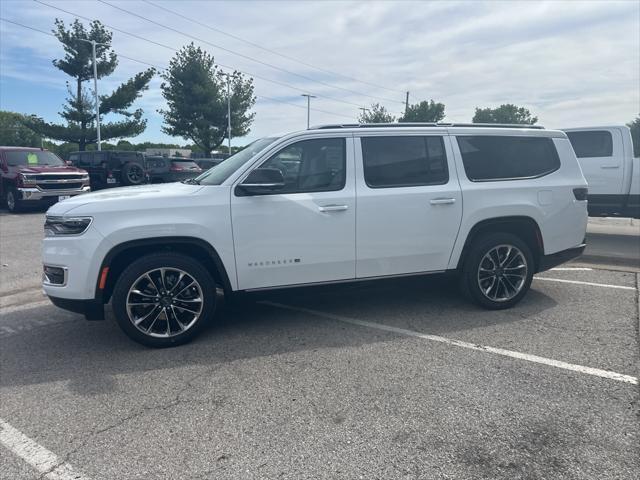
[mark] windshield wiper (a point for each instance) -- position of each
(191, 181)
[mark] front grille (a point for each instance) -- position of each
(60, 186)
(67, 176)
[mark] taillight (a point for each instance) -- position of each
(175, 168)
(581, 193)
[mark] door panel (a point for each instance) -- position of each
(406, 229)
(302, 237)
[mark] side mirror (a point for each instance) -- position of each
(261, 181)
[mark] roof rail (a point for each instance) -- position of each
(421, 124)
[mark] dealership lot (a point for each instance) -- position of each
(370, 380)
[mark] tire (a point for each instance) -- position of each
(497, 271)
(166, 323)
(11, 200)
(132, 174)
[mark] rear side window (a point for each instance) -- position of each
(489, 158)
(404, 161)
(596, 143)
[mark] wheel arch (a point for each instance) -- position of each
(120, 256)
(524, 227)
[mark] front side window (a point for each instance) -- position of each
(490, 157)
(404, 161)
(311, 165)
(597, 143)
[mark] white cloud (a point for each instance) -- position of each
(570, 62)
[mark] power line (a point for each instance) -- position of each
(263, 97)
(193, 37)
(346, 102)
(288, 57)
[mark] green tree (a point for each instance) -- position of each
(78, 112)
(14, 133)
(425, 111)
(506, 113)
(376, 114)
(634, 126)
(196, 93)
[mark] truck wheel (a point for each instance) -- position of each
(11, 200)
(164, 299)
(498, 270)
(132, 174)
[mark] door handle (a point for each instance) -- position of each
(442, 201)
(607, 167)
(333, 208)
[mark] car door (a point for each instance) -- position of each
(409, 204)
(601, 158)
(304, 232)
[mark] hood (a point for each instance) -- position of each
(125, 198)
(48, 169)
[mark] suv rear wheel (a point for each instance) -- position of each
(132, 174)
(498, 271)
(164, 299)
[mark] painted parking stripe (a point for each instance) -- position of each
(572, 269)
(47, 463)
(472, 346)
(591, 284)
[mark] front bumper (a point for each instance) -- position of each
(91, 309)
(547, 262)
(35, 194)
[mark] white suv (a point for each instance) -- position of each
(330, 204)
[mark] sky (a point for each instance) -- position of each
(572, 63)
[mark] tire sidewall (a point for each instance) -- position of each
(125, 174)
(150, 262)
(478, 250)
(16, 206)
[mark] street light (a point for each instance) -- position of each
(229, 109)
(95, 84)
(309, 97)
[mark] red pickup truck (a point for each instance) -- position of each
(34, 176)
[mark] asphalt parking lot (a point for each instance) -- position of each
(394, 379)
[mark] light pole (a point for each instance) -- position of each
(95, 85)
(229, 110)
(309, 97)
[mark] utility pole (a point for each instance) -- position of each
(229, 110)
(309, 97)
(95, 86)
(406, 104)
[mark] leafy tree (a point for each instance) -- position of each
(61, 149)
(78, 112)
(506, 113)
(196, 93)
(635, 135)
(14, 133)
(376, 114)
(425, 111)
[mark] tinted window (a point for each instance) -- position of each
(591, 144)
(311, 165)
(504, 158)
(404, 161)
(32, 158)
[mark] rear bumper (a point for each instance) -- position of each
(35, 194)
(91, 309)
(549, 261)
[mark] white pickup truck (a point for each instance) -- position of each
(608, 163)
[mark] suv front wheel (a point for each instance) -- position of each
(164, 299)
(498, 271)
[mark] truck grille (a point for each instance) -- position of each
(60, 186)
(63, 176)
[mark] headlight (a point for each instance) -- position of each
(58, 226)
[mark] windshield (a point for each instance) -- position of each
(219, 173)
(33, 158)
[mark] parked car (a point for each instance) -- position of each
(207, 163)
(111, 168)
(608, 163)
(170, 169)
(34, 176)
(364, 202)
